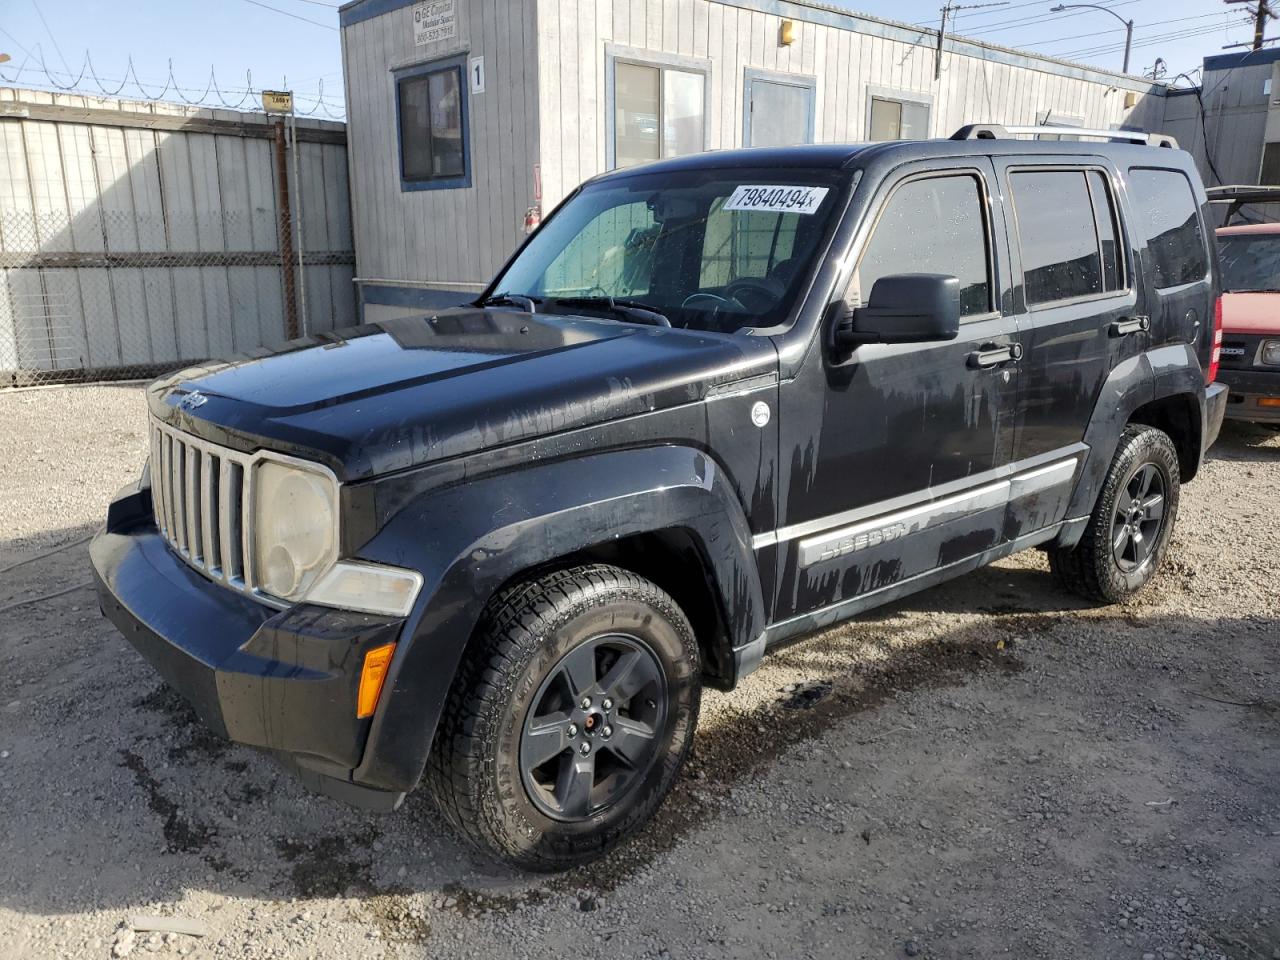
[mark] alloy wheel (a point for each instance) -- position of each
(1138, 518)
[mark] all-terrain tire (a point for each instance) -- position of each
(1092, 569)
(475, 775)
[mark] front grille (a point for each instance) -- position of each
(200, 492)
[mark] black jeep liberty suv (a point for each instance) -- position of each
(711, 405)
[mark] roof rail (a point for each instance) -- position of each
(998, 131)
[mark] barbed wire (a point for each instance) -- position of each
(87, 81)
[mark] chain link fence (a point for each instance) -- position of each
(127, 252)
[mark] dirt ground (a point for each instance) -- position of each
(988, 768)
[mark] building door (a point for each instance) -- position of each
(779, 110)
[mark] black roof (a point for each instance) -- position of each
(837, 156)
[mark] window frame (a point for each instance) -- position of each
(615, 54)
(455, 62)
(913, 97)
(750, 75)
(1126, 266)
(988, 225)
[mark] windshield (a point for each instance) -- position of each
(1250, 262)
(704, 249)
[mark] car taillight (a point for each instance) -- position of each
(1216, 356)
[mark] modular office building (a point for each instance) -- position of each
(468, 118)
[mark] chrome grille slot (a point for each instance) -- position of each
(200, 503)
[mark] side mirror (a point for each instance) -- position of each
(904, 308)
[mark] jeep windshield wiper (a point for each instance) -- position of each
(523, 301)
(629, 309)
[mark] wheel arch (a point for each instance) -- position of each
(664, 513)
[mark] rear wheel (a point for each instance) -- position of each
(570, 718)
(1128, 532)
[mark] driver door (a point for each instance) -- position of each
(898, 451)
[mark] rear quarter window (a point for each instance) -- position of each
(1168, 221)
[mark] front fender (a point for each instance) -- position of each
(468, 540)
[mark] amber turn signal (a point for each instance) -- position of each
(376, 663)
(1269, 401)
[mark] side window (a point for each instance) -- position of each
(1169, 223)
(936, 225)
(1068, 234)
(433, 148)
(892, 119)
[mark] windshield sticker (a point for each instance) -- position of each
(779, 199)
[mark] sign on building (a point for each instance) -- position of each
(434, 20)
(277, 101)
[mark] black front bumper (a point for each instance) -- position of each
(282, 680)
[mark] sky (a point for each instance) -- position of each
(295, 42)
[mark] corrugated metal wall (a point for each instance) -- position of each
(450, 237)
(135, 236)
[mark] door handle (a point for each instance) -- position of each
(992, 355)
(1122, 328)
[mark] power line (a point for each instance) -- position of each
(286, 13)
(1041, 43)
(1026, 21)
(52, 38)
(1147, 42)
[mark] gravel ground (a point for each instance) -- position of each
(986, 768)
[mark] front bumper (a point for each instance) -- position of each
(285, 681)
(1247, 388)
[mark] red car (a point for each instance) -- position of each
(1250, 258)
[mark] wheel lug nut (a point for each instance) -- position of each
(607, 703)
(586, 703)
(607, 732)
(572, 731)
(585, 749)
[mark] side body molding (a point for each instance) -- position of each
(469, 539)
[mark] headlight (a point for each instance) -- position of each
(295, 528)
(1271, 352)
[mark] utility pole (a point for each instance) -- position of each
(949, 12)
(1261, 14)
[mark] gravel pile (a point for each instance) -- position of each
(986, 768)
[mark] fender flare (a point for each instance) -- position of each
(1153, 375)
(470, 539)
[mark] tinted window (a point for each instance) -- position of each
(1057, 236)
(431, 146)
(1168, 222)
(1104, 215)
(932, 226)
(1250, 262)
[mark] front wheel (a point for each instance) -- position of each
(1128, 532)
(569, 719)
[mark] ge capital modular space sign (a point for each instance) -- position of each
(434, 20)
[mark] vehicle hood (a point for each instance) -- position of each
(1251, 312)
(399, 393)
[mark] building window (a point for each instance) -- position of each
(896, 119)
(658, 111)
(432, 106)
(1270, 163)
(778, 109)
(1048, 118)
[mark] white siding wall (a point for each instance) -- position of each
(449, 237)
(572, 38)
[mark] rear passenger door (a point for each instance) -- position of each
(1079, 316)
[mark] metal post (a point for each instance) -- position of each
(297, 196)
(1128, 44)
(284, 233)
